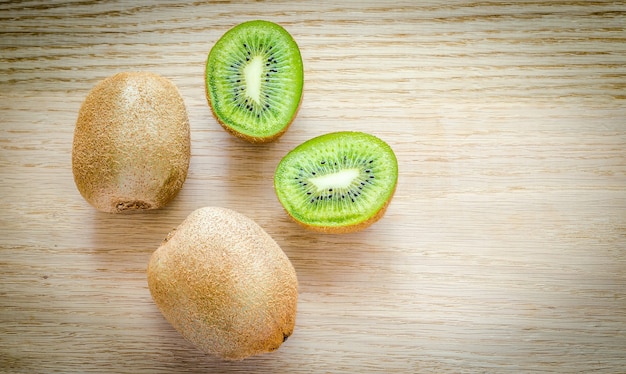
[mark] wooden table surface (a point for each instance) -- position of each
(504, 248)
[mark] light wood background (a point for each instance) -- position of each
(504, 249)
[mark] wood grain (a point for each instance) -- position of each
(504, 249)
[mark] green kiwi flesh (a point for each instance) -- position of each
(254, 78)
(337, 183)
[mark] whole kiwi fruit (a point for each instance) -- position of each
(224, 284)
(131, 145)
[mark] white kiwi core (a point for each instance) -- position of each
(253, 72)
(340, 179)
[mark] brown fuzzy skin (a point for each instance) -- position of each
(132, 144)
(351, 228)
(225, 284)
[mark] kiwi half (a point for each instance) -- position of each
(254, 78)
(337, 183)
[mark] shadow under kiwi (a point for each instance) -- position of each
(249, 177)
(133, 232)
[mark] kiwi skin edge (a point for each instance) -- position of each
(350, 228)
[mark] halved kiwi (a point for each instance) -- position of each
(337, 183)
(254, 78)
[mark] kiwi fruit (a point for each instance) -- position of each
(224, 284)
(254, 78)
(131, 144)
(337, 183)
